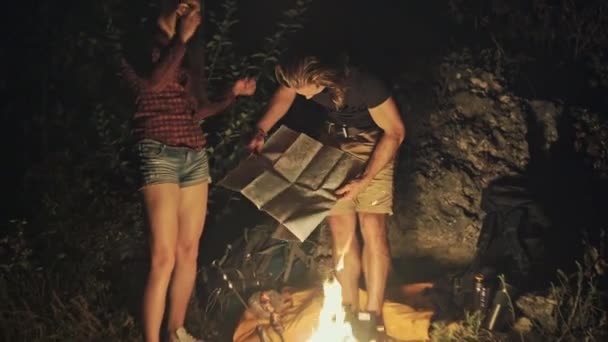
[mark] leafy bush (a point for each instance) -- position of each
(64, 278)
(470, 330)
(571, 31)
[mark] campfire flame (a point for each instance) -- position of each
(332, 326)
(340, 265)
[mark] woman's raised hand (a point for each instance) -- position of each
(188, 25)
(244, 87)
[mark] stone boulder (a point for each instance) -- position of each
(478, 133)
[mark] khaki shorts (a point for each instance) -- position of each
(377, 198)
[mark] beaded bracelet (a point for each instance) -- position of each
(261, 133)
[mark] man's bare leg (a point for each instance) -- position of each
(346, 255)
(376, 258)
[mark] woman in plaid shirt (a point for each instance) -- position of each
(170, 103)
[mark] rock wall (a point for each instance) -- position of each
(478, 133)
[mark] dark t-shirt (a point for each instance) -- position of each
(363, 91)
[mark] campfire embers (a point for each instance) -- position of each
(332, 325)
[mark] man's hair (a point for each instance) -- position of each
(300, 71)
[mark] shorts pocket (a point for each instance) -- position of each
(150, 149)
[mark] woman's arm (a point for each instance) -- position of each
(242, 87)
(212, 108)
(161, 73)
(167, 63)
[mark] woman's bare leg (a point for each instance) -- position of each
(161, 202)
(191, 217)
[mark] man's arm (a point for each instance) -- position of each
(277, 108)
(386, 116)
(279, 105)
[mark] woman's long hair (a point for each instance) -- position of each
(301, 71)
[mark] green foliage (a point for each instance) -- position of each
(468, 330)
(473, 327)
(574, 31)
(581, 307)
(579, 27)
(592, 141)
(62, 277)
(40, 306)
(579, 312)
(56, 285)
(574, 308)
(231, 130)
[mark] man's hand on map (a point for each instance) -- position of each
(257, 142)
(352, 188)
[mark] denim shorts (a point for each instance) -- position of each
(159, 163)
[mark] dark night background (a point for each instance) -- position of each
(71, 217)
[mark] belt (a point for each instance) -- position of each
(342, 130)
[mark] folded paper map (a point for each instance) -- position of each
(293, 179)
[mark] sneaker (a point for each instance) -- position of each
(381, 335)
(181, 335)
(365, 327)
